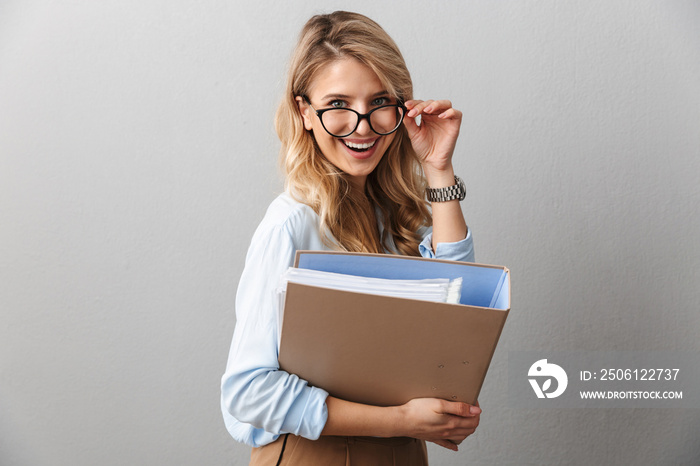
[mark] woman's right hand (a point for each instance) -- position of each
(445, 423)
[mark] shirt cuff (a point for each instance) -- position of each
(462, 251)
(312, 414)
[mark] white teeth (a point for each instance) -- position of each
(352, 145)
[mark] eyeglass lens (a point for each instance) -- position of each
(342, 122)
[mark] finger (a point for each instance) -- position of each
(451, 114)
(460, 409)
(471, 427)
(446, 444)
(438, 106)
(458, 439)
(409, 104)
(411, 127)
(462, 428)
(418, 108)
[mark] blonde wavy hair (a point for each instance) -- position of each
(396, 187)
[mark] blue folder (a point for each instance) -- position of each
(482, 285)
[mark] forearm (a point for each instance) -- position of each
(448, 221)
(354, 419)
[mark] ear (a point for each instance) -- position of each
(305, 112)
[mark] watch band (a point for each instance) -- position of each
(450, 193)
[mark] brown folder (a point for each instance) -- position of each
(386, 351)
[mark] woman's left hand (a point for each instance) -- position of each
(435, 138)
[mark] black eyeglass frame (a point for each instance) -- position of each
(360, 117)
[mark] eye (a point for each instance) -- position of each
(338, 104)
(380, 101)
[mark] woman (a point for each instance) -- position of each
(353, 153)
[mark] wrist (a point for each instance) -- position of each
(397, 416)
(439, 178)
(390, 422)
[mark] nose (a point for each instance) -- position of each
(363, 128)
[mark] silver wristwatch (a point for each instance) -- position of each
(450, 193)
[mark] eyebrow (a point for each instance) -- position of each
(344, 96)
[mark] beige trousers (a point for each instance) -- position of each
(342, 451)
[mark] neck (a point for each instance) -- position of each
(357, 183)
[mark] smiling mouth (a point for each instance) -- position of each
(364, 147)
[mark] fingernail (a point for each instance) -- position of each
(412, 113)
(428, 109)
(474, 410)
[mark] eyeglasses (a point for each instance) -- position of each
(342, 122)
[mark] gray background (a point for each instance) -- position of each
(137, 155)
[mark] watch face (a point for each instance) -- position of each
(462, 188)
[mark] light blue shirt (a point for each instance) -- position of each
(258, 401)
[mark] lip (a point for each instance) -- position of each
(360, 155)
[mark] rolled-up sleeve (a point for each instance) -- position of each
(258, 400)
(458, 251)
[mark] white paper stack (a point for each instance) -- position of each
(441, 290)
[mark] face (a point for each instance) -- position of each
(351, 84)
